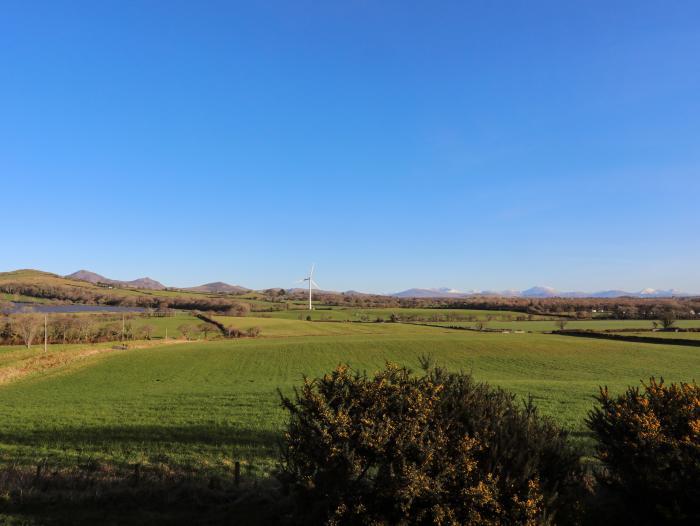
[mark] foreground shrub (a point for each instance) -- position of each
(439, 448)
(649, 441)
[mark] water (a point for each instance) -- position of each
(65, 309)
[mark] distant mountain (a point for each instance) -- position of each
(219, 286)
(144, 283)
(92, 277)
(432, 293)
(538, 292)
(86, 275)
(654, 293)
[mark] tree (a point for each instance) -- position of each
(253, 332)
(26, 327)
(146, 331)
(187, 330)
(204, 328)
(562, 324)
(667, 319)
(233, 332)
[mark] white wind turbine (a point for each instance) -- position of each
(312, 283)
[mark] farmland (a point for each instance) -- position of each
(186, 393)
(551, 325)
(383, 314)
(204, 404)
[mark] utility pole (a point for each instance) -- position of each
(46, 332)
(123, 325)
(166, 333)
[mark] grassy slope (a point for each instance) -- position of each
(37, 277)
(280, 328)
(206, 403)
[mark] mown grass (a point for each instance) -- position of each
(207, 404)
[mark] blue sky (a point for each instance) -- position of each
(485, 145)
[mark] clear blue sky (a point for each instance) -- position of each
(396, 144)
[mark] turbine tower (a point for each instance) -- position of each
(312, 283)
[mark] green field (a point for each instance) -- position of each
(206, 404)
(281, 328)
(369, 315)
(548, 326)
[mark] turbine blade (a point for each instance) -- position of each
(315, 284)
(313, 266)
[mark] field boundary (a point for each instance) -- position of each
(215, 323)
(625, 338)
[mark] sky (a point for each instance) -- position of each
(472, 145)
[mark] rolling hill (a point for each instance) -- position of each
(218, 287)
(140, 283)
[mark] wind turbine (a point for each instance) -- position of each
(312, 283)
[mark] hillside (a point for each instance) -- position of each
(35, 285)
(219, 286)
(140, 283)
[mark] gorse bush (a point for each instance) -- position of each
(649, 441)
(438, 448)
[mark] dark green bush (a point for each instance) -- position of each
(649, 442)
(439, 448)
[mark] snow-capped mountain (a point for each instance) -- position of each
(537, 292)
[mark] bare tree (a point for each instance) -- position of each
(187, 330)
(239, 309)
(145, 332)
(253, 332)
(562, 324)
(667, 319)
(204, 328)
(26, 327)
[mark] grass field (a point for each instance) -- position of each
(280, 328)
(546, 326)
(355, 314)
(206, 404)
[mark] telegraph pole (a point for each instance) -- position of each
(46, 332)
(123, 325)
